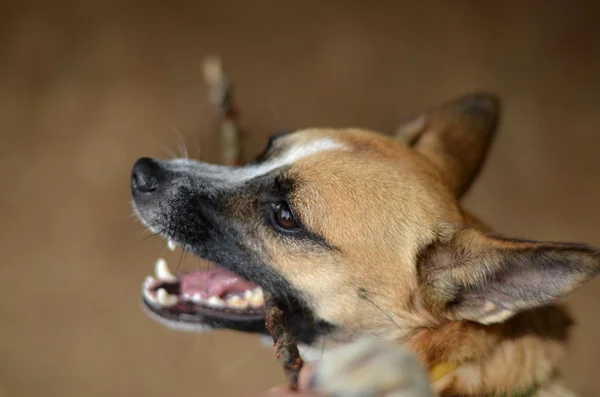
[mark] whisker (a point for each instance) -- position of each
(305, 350)
(182, 145)
(358, 287)
(153, 234)
(169, 152)
(207, 269)
(146, 238)
(183, 252)
(142, 228)
(184, 150)
(161, 248)
(363, 294)
(160, 149)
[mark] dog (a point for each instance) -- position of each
(362, 237)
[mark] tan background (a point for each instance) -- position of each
(88, 87)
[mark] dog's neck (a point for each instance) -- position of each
(491, 360)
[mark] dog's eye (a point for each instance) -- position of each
(284, 218)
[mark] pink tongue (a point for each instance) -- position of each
(217, 281)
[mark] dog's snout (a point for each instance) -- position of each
(145, 176)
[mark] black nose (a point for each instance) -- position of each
(145, 176)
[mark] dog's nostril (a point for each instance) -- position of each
(145, 176)
(143, 183)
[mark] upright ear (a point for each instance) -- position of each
(455, 136)
(467, 275)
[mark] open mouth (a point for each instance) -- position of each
(215, 297)
(219, 298)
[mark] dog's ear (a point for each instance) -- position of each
(467, 275)
(455, 136)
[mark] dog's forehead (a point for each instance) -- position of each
(346, 150)
(311, 146)
(374, 178)
(291, 152)
(298, 146)
(349, 137)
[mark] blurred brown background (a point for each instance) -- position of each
(88, 87)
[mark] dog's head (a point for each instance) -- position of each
(356, 232)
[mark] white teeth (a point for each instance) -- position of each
(165, 299)
(258, 293)
(197, 298)
(237, 302)
(257, 300)
(148, 282)
(171, 245)
(149, 297)
(253, 298)
(215, 301)
(162, 297)
(162, 272)
(256, 303)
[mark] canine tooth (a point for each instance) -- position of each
(258, 299)
(215, 301)
(166, 299)
(237, 302)
(257, 302)
(148, 281)
(197, 298)
(186, 297)
(149, 297)
(258, 294)
(171, 245)
(162, 272)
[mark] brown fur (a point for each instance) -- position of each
(502, 357)
(409, 264)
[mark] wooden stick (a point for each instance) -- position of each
(285, 344)
(220, 93)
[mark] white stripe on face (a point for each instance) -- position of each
(236, 175)
(290, 156)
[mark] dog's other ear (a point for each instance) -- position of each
(455, 136)
(467, 275)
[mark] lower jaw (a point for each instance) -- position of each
(203, 322)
